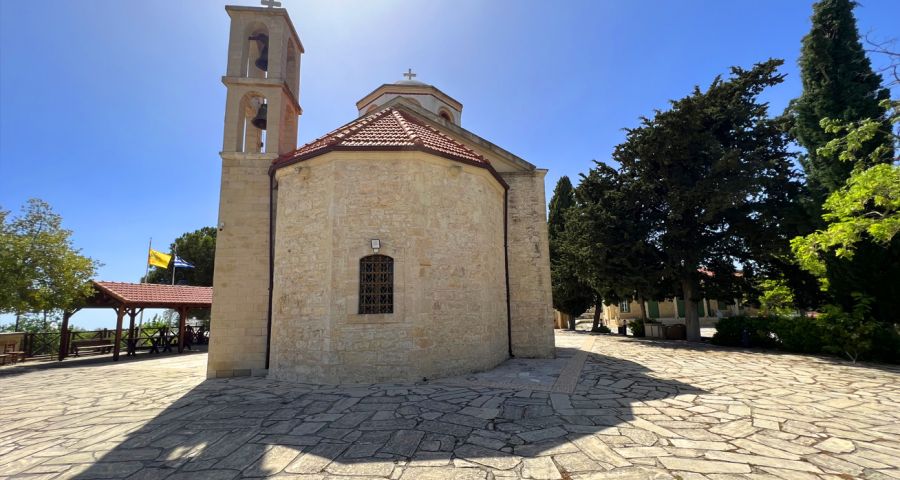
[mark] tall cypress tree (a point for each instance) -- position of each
(570, 296)
(838, 83)
(563, 198)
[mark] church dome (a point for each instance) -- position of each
(421, 94)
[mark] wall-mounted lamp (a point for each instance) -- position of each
(221, 226)
(376, 245)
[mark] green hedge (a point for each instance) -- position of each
(745, 331)
(801, 335)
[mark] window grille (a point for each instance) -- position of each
(376, 284)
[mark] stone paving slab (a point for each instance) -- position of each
(607, 407)
(558, 374)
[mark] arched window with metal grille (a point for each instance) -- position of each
(376, 284)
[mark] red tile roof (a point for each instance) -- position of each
(388, 129)
(139, 294)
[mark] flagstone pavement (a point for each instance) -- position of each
(607, 407)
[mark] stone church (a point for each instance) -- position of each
(399, 246)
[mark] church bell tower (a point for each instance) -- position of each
(261, 113)
(263, 81)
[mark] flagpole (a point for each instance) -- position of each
(144, 280)
(174, 259)
(147, 262)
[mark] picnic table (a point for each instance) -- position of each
(166, 340)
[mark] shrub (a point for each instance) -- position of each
(776, 298)
(886, 343)
(728, 331)
(637, 327)
(742, 331)
(799, 334)
(850, 333)
(601, 329)
(855, 334)
(167, 319)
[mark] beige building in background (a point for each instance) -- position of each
(400, 246)
(671, 311)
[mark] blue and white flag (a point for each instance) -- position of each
(181, 263)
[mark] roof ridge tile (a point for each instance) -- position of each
(401, 120)
(391, 128)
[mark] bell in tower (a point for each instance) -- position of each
(262, 41)
(259, 121)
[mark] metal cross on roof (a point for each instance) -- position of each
(409, 74)
(270, 3)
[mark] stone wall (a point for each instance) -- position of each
(441, 222)
(529, 266)
(241, 283)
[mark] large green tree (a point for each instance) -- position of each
(839, 84)
(715, 176)
(198, 248)
(40, 269)
(570, 295)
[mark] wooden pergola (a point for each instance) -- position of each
(133, 298)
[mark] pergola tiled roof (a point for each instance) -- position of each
(392, 128)
(150, 295)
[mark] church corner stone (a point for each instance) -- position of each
(529, 266)
(240, 298)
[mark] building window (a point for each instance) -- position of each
(624, 307)
(376, 284)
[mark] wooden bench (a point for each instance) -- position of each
(98, 346)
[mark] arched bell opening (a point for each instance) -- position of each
(255, 58)
(292, 69)
(253, 125)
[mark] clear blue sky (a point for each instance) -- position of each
(112, 110)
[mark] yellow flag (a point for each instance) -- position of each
(158, 259)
